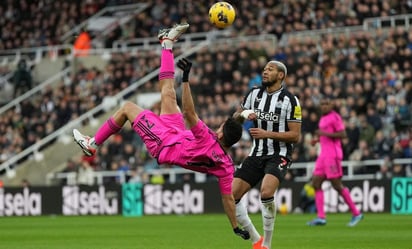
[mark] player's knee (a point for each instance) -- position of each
(128, 106)
(266, 193)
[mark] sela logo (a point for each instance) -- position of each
(20, 204)
(76, 202)
(268, 116)
(366, 198)
(253, 203)
(185, 201)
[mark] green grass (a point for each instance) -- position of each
(200, 232)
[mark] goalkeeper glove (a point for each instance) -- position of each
(242, 233)
(185, 65)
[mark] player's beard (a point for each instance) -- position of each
(268, 83)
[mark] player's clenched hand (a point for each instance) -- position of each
(258, 133)
(185, 65)
(242, 233)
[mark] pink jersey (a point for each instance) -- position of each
(196, 149)
(331, 147)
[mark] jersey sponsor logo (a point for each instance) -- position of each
(298, 112)
(267, 116)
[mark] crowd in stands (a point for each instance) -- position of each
(370, 75)
(37, 23)
(372, 87)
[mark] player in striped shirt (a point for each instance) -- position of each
(276, 114)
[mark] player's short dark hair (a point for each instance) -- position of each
(232, 132)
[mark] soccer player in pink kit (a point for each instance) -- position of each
(196, 148)
(328, 165)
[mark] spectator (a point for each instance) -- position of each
(25, 183)
(373, 118)
(82, 44)
(85, 174)
(367, 132)
(22, 78)
(382, 146)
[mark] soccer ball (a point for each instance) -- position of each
(222, 14)
(283, 209)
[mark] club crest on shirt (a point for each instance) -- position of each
(279, 104)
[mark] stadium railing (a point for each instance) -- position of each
(120, 13)
(15, 102)
(38, 53)
(172, 174)
(388, 21)
(185, 39)
(368, 25)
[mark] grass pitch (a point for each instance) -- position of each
(200, 232)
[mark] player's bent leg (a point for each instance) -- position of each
(344, 192)
(128, 112)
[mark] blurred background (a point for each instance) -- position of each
(70, 64)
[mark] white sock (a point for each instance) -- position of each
(268, 217)
(244, 220)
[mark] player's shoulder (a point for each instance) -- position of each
(334, 114)
(285, 91)
(292, 98)
(255, 89)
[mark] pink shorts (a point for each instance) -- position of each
(330, 167)
(156, 130)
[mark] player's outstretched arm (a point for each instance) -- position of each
(229, 206)
(187, 100)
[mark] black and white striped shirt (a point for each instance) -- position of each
(274, 111)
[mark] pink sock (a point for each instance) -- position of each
(167, 65)
(348, 199)
(107, 129)
(319, 201)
